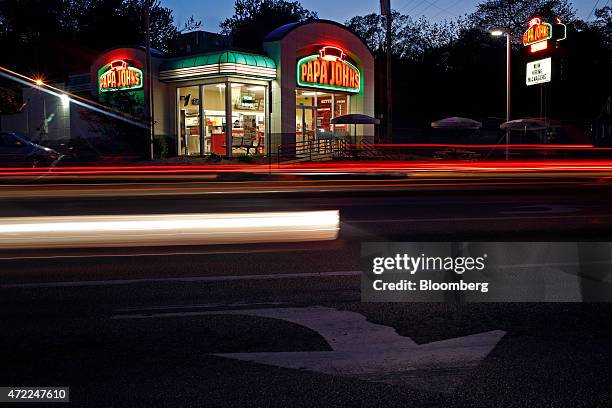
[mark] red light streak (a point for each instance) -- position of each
(535, 165)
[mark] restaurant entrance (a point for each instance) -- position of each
(314, 113)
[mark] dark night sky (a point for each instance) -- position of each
(212, 12)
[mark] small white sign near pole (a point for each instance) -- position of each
(538, 72)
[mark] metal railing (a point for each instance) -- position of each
(313, 150)
(341, 149)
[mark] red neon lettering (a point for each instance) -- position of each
(338, 74)
(309, 75)
(324, 72)
(345, 76)
(316, 71)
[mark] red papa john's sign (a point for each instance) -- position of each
(328, 70)
(119, 75)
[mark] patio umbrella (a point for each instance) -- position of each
(456, 122)
(355, 119)
(526, 124)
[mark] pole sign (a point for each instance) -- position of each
(119, 75)
(328, 70)
(539, 33)
(539, 72)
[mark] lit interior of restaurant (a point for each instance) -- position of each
(319, 108)
(202, 119)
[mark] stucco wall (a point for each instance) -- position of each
(298, 43)
(161, 104)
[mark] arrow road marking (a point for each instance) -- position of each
(367, 351)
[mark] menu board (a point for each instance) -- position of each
(249, 127)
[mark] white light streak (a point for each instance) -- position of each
(167, 229)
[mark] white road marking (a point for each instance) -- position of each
(455, 219)
(542, 209)
(200, 306)
(364, 350)
(115, 282)
(145, 254)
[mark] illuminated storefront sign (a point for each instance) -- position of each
(539, 72)
(328, 70)
(538, 34)
(119, 75)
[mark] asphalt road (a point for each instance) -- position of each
(145, 326)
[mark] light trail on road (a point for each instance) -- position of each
(161, 230)
(533, 166)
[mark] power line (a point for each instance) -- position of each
(418, 5)
(456, 3)
(430, 4)
(405, 5)
(593, 10)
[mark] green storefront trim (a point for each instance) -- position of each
(217, 58)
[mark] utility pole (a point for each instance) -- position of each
(148, 79)
(508, 64)
(498, 32)
(385, 10)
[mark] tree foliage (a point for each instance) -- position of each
(513, 15)
(410, 38)
(456, 68)
(33, 33)
(603, 23)
(254, 19)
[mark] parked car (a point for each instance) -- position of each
(18, 151)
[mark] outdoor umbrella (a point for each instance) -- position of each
(526, 124)
(456, 122)
(355, 119)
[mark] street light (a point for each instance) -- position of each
(65, 100)
(498, 32)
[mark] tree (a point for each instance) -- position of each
(10, 98)
(35, 33)
(603, 23)
(410, 38)
(372, 29)
(254, 19)
(514, 14)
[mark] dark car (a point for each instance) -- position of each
(18, 151)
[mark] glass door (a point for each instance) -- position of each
(305, 116)
(189, 120)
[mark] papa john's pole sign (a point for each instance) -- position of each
(329, 70)
(119, 75)
(539, 33)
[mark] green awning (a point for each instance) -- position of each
(217, 58)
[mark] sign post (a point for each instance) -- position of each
(385, 8)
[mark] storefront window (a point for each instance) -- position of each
(214, 118)
(189, 120)
(203, 115)
(305, 115)
(314, 114)
(341, 107)
(248, 119)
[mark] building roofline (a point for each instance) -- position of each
(284, 30)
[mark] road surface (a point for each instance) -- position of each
(220, 325)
